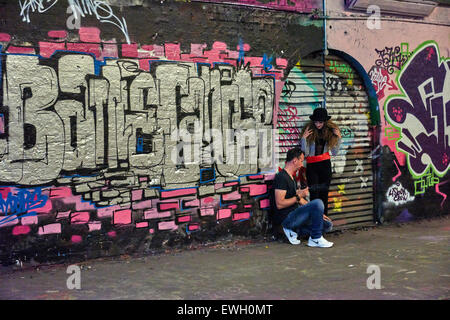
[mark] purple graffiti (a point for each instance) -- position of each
(423, 113)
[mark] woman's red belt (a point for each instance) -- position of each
(323, 156)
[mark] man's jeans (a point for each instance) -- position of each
(308, 219)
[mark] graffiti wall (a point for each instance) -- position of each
(117, 146)
(299, 6)
(409, 73)
(418, 122)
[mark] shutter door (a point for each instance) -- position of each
(351, 197)
(302, 93)
(351, 202)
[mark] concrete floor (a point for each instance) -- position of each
(413, 261)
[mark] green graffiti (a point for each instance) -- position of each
(428, 180)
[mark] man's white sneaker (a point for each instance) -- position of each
(291, 235)
(320, 243)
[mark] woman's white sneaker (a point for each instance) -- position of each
(320, 243)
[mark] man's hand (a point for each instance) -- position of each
(326, 218)
(302, 201)
(303, 193)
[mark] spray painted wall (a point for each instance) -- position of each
(131, 126)
(119, 138)
(408, 66)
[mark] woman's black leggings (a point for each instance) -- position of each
(318, 175)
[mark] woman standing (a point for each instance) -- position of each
(320, 137)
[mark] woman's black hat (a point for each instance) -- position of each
(320, 114)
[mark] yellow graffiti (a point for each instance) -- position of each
(337, 204)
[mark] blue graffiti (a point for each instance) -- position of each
(241, 52)
(267, 62)
(21, 204)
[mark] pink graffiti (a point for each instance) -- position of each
(106, 211)
(95, 226)
(168, 206)
(436, 188)
(154, 214)
(223, 213)
(256, 189)
(430, 53)
(58, 34)
(167, 225)
(184, 219)
(241, 216)
(142, 224)
(193, 203)
(79, 217)
(256, 177)
(398, 174)
(207, 212)
(193, 227)
(178, 193)
(112, 234)
(142, 204)
(60, 192)
(445, 159)
(50, 229)
(381, 80)
(231, 196)
(76, 239)
(265, 203)
(90, 42)
(4, 37)
(29, 220)
(18, 230)
(122, 217)
(136, 194)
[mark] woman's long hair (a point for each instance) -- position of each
(326, 133)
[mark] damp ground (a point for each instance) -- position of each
(412, 260)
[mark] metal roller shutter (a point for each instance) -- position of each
(302, 93)
(351, 201)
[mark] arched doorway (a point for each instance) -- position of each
(333, 82)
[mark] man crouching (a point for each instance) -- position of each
(292, 210)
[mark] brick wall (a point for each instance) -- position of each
(153, 129)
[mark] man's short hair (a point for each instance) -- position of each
(294, 153)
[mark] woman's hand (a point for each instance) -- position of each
(337, 132)
(307, 132)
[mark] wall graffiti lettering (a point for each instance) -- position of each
(398, 194)
(421, 112)
(21, 204)
(149, 139)
(79, 8)
(342, 69)
(392, 58)
(123, 115)
(381, 81)
(32, 5)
